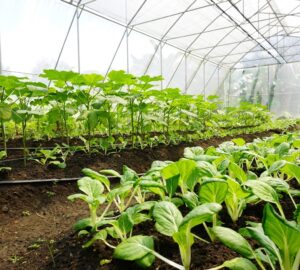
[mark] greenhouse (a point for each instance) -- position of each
(150, 134)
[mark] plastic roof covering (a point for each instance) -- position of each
(229, 33)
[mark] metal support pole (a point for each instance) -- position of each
(125, 33)
(229, 88)
(179, 63)
(78, 40)
(185, 73)
(0, 58)
(65, 40)
(161, 65)
(166, 33)
(218, 77)
(204, 83)
(127, 38)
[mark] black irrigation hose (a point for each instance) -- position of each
(56, 180)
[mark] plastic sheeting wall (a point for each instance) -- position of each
(277, 87)
(33, 32)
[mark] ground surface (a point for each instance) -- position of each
(36, 219)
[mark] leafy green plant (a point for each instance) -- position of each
(3, 155)
(169, 221)
(278, 238)
(93, 196)
(51, 157)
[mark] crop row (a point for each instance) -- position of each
(118, 108)
(179, 196)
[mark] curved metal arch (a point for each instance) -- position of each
(194, 40)
(165, 34)
(242, 29)
(236, 62)
(207, 54)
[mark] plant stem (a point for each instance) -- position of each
(93, 214)
(105, 211)
(3, 135)
(24, 141)
(166, 260)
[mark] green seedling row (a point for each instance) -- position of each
(120, 109)
(203, 183)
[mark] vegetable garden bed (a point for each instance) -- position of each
(36, 219)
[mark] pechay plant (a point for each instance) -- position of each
(169, 221)
(278, 238)
(93, 195)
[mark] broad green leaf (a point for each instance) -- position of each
(167, 217)
(111, 172)
(170, 171)
(5, 112)
(186, 169)
(92, 119)
(199, 215)
(125, 223)
(205, 169)
(284, 234)
(151, 184)
(257, 233)
(263, 191)
(190, 199)
(292, 170)
(95, 175)
(296, 143)
(233, 240)
(213, 191)
(237, 264)
(90, 187)
(236, 171)
(119, 191)
(282, 149)
(193, 152)
(276, 166)
(240, 264)
(129, 175)
(297, 214)
(134, 248)
(100, 235)
(82, 224)
(172, 184)
(239, 141)
(276, 183)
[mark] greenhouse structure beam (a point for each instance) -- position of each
(175, 70)
(66, 38)
(275, 13)
(243, 30)
(125, 33)
(191, 44)
(214, 47)
(173, 14)
(0, 57)
(97, 14)
(227, 27)
(257, 30)
(236, 62)
(165, 34)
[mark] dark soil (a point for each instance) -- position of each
(36, 219)
(139, 160)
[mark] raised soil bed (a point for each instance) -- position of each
(36, 219)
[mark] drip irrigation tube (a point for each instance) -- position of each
(56, 180)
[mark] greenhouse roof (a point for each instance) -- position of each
(231, 33)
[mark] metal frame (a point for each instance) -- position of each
(265, 7)
(249, 26)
